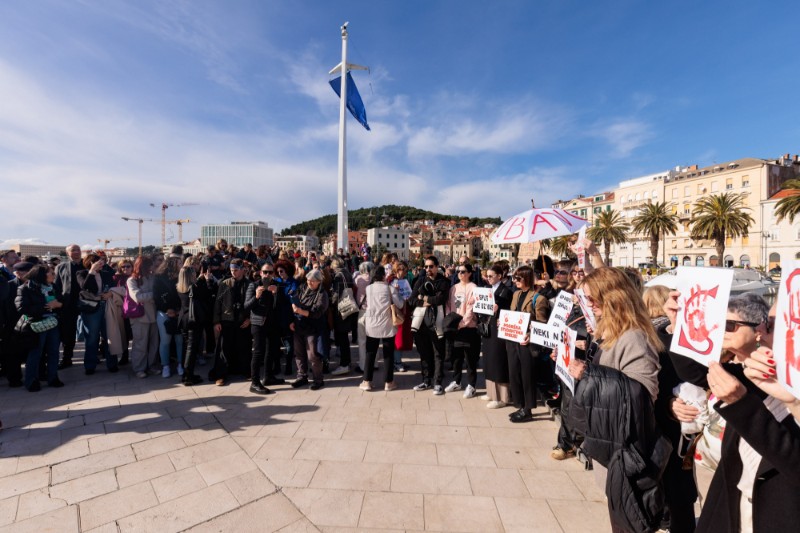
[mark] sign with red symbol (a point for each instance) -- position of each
(702, 308)
(786, 342)
(564, 354)
(513, 325)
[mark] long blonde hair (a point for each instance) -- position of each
(622, 306)
(186, 278)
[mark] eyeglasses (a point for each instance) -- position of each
(733, 325)
(462, 271)
(578, 273)
(430, 267)
(266, 271)
(517, 278)
(561, 272)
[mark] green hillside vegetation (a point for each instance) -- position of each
(373, 217)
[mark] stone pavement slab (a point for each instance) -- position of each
(113, 453)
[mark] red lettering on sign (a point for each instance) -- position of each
(515, 222)
(792, 321)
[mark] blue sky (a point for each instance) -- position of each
(475, 107)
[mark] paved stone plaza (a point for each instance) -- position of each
(111, 452)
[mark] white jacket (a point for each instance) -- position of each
(378, 316)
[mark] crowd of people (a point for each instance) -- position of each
(641, 416)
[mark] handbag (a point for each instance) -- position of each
(347, 302)
(483, 328)
(88, 302)
(397, 316)
(130, 307)
(26, 325)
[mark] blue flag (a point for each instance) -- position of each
(354, 103)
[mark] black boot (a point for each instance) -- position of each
(258, 388)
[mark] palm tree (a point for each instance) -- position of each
(655, 220)
(718, 217)
(789, 206)
(609, 228)
(559, 247)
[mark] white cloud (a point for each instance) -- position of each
(624, 135)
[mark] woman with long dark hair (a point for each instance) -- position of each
(95, 283)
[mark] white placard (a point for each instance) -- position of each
(564, 354)
(562, 307)
(586, 309)
(545, 334)
(403, 287)
(513, 325)
(484, 301)
(786, 340)
(580, 249)
(702, 308)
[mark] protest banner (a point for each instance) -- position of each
(562, 307)
(702, 308)
(580, 249)
(586, 309)
(545, 334)
(513, 325)
(484, 301)
(564, 354)
(786, 340)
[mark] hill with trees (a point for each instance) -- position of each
(375, 217)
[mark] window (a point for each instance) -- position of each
(700, 188)
(745, 240)
(728, 241)
(674, 193)
(637, 197)
(646, 195)
(655, 193)
(597, 209)
(583, 213)
(687, 209)
(729, 184)
(674, 243)
(774, 234)
(379, 235)
(745, 181)
(686, 243)
(686, 191)
(674, 209)
(598, 198)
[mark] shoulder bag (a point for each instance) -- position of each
(130, 307)
(347, 303)
(397, 316)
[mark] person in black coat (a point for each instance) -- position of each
(260, 302)
(430, 291)
(67, 291)
(495, 359)
(94, 282)
(191, 330)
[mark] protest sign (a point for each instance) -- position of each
(513, 325)
(564, 354)
(484, 301)
(403, 287)
(786, 342)
(580, 249)
(586, 309)
(545, 334)
(702, 308)
(561, 310)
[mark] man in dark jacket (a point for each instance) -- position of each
(260, 303)
(232, 322)
(68, 291)
(430, 292)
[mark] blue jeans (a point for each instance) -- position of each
(165, 338)
(49, 341)
(93, 325)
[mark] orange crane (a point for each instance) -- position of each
(164, 206)
(140, 221)
(180, 222)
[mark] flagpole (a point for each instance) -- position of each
(341, 220)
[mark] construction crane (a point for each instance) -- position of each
(164, 207)
(180, 222)
(140, 221)
(112, 239)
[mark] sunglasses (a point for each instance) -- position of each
(517, 278)
(430, 267)
(733, 325)
(462, 271)
(578, 273)
(266, 271)
(561, 272)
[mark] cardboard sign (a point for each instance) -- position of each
(786, 342)
(586, 309)
(513, 325)
(702, 308)
(580, 249)
(484, 301)
(561, 310)
(564, 354)
(545, 334)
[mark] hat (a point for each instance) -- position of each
(24, 266)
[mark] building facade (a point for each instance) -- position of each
(299, 243)
(394, 240)
(237, 234)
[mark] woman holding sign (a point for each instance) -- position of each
(522, 356)
(495, 360)
(465, 344)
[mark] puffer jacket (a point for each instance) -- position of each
(229, 304)
(620, 433)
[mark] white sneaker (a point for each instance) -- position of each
(486, 398)
(495, 404)
(365, 386)
(165, 372)
(438, 390)
(180, 370)
(340, 370)
(469, 392)
(452, 387)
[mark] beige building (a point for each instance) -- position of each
(779, 241)
(757, 179)
(39, 250)
(443, 250)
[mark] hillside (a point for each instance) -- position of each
(373, 217)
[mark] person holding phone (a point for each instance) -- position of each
(95, 282)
